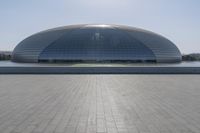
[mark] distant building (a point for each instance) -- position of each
(96, 43)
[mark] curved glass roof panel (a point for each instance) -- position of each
(96, 44)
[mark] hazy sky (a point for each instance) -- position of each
(178, 20)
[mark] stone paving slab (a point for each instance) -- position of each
(99, 104)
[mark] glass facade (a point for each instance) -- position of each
(97, 44)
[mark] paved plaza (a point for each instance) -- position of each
(99, 104)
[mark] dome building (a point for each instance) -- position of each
(96, 43)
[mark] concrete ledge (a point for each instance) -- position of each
(99, 70)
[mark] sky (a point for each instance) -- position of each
(177, 20)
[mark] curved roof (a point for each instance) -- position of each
(96, 42)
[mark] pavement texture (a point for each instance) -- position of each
(99, 103)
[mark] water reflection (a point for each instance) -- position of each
(182, 64)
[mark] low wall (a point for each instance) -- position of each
(99, 70)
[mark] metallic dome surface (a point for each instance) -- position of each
(96, 42)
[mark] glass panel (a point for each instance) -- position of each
(98, 45)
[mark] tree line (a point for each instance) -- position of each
(5, 55)
(191, 57)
